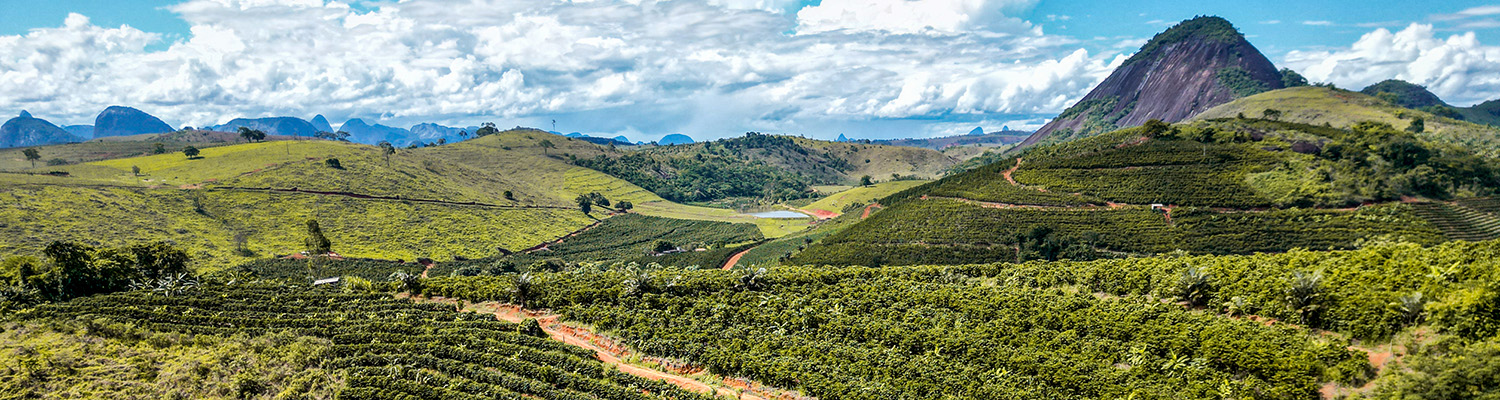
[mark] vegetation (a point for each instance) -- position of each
(1404, 94)
(1240, 82)
(625, 238)
(1207, 28)
(350, 345)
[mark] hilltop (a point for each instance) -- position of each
(1343, 109)
(24, 130)
(1195, 65)
(1225, 186)
(768, 167)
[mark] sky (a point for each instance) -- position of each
(708, 69)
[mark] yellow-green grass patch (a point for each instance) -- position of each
(862, 195)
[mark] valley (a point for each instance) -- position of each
(1198, 224)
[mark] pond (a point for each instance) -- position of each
(780, 214)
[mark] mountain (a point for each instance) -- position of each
(1406, 94)
(574, 135)
(82, 131)
(362, 132)
(978, 130)
(125, 121)
(25, 131)
(430, 132)
(622, 139)
(1200, 63)
(321, 124)
(281, 126)
(674, 139)
(841, 138)
(1486, 113)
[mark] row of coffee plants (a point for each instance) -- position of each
(382, 347)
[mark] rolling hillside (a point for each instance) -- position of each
(1227, 186)
(1342, 109)
(768, 167)
(237, 202)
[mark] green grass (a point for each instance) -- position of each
(207, 223)
(1341, 109)
(91, 151)
(861, 195)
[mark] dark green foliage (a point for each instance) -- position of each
(190, 152)
(585, 203)
(598, 199)
(530, 327)
(1271, 114)
(488, 128)
(317, 244)
(1417, 125)
(624, 205)
(32, 154)
(865, 180)
(737, 167)
(74, 270)
(941, 231)
(626, 238)
(1443, 111)
(1240, 82)
(1206, 28)
(930, 332)
(510, 196)
(386, 347)
(1447, 369)
(158, 148)
(1404, 94)
(1291, 79)
(252, 135)
(333, 163)
(663, 246)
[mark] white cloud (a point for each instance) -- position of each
(1271, 22)
(1318, 23)
(910, 16)
(1481, 11)
(1458, 69)
(695, 68)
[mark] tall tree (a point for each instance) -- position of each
(317, 244)
(486, 129)
(32, 155)
(546, 144)
(585, 203)
(387, 149)
(252, 135)
(190, 152)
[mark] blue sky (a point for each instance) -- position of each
(865, 68)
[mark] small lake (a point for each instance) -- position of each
(780, 214)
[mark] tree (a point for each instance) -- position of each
(32, 155)
(190, 152)
(1271, 114)
(865, 181)
(387, 149)
(463, 134)
(486, 129)
(624, 205)
(1155, 127)
(1417, 125)
(1194, 286)
(663, 246)
(1291, 79)
(510, 196)
(530, 327)
(334, 163)
(1304, 296)
(598, 199)
(134, 170)
(158, 148)
(252, 135)
(585, 203)
(442, 141)
(317, 244)
(546, 144)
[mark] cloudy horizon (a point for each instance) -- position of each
(863, 68)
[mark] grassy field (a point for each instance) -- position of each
(880, 161)
(1341, 109)
(861, 195)
(210, 224)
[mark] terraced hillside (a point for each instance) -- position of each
(1222, 186)
(317, 343)
(1461, 222)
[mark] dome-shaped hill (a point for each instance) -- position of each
(1407, 94)
(124, 121)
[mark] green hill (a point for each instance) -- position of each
(1343, 109)
(768, 167)
(242, 201)
(1228, 186)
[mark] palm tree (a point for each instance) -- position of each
(1305, 294)
(1194, 286)
(521, 289)
(1410, 307)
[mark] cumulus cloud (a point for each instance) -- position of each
(1458, 68)
(703, 68)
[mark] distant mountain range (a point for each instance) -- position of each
(24, 130)
(126, 121)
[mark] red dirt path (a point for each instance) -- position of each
(735, 259)
(1013, 170)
